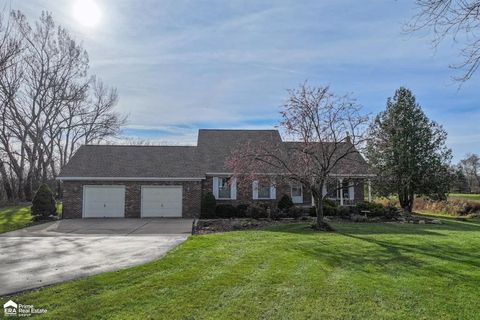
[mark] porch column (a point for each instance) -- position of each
(341, 191)
(369, 190)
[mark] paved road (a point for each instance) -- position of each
(63, 250)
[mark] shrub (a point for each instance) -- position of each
(208, 206)
(375, 209)
(295, 213)
(257, 212)
(312, 212)
(285, 202)
(226, 211)
(330, 203)
(242, 210)
(344, 212)
(330, 208)
(43, 204)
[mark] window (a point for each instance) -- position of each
(263, 190)
(296, 193)
(224, 188)
(346, 189)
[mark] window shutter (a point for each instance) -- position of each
(273, 191)
(215, 187)
(351, 191)
(233, 188)
(255, 190)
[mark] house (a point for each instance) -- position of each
(169, 181)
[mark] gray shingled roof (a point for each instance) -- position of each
(217, 145)
(134, 161)
(352, 164)
(209, 156)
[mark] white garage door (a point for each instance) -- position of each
(104, 201)
(161, 201)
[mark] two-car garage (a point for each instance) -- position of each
(108, 201)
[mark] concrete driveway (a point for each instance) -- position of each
(67, 249)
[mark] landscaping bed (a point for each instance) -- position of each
(223, 225)
(206, 226)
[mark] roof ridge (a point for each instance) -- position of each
(237, 130)
(138, 145)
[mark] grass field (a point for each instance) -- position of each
(17, 217)
(466, 196)
(14, 217)
(362, 271)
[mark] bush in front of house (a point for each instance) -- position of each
(372, 209)
(257, 212)
(242, 210)
(208, 206)
(292, 213)
(43, 203)
(226, 211)
(330, 208)
(285, 203)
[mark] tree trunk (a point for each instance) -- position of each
(319, 211)
(10, 194)
(406, 201)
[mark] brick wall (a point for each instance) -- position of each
(73, 196)
(192, 195)
(244, 193)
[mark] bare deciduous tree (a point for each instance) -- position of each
(326, 130)
(459, 19)
(49, 104)
(470, 166)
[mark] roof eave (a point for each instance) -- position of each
(71, 178)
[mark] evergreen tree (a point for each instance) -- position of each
(407, 152)
(43, 203)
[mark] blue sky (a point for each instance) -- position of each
(184, 65)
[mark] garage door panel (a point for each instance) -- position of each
(160, 201)
(104, 201)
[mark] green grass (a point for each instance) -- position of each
(362, 271)
(466, 196)
(15, 217)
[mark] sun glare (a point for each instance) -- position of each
(87, 12)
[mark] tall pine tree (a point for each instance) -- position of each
(407, 152)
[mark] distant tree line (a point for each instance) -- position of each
(49, 103)
(467, 175)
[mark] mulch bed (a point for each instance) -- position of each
(224, 225)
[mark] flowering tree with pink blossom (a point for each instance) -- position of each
(325, 130)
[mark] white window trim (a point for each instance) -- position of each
(351, 191)
(273, 191)
(233, 188)
(293, 197)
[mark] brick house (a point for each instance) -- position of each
(169, 181)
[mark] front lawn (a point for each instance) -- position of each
(17, 217)
(14, 217)
(362, 271)
(464, 196)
